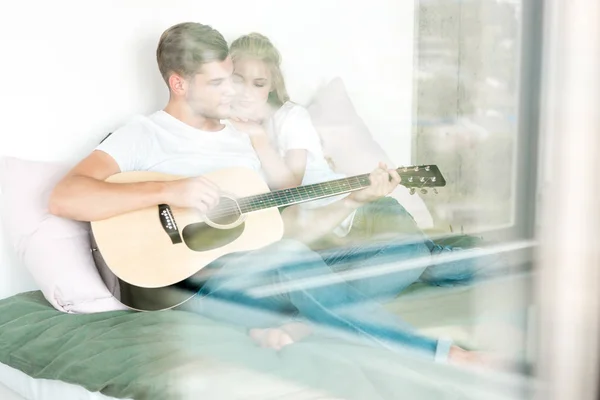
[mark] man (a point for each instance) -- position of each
(189, 138)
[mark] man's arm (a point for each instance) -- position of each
(84, 195)
(309, 226)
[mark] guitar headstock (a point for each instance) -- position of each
(421, 177)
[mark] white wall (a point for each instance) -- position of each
(74, 70)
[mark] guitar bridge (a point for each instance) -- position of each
(168, 223)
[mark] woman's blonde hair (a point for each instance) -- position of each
(257, 46)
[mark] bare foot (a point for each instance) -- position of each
(462, 357)
(271, 338)
(278, 338)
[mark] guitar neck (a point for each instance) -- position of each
(302, 194)
(415, 176)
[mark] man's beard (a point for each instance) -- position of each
(212, 113)
(215, 114)
(251, 114)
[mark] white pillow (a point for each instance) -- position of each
(350, 147)
(56, 251)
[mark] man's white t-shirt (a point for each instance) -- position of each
(160, 142)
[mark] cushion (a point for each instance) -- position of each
(55, 251)
(13, 277)
(344, 135)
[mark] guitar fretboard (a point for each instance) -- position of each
(286, 197)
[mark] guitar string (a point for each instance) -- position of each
(296, 195)
(290, 196)
(270, 200)
(306, 191)
(255, 203)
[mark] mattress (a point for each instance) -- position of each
(141, 355)
(41, 389)
(210, 357)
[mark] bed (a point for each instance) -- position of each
(17, 386)
(178, 355)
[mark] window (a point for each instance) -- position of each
(466, 105)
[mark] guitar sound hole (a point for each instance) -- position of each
(202, 237)
(225, 213)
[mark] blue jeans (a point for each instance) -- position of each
(383, 233)
(383, 224)
(227, 296)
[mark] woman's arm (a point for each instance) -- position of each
(281, 172)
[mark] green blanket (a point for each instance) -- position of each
(179, 355)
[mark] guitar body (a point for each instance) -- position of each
(154, 258)
(154, 264)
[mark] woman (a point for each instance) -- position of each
(290, 151)
(280, 130)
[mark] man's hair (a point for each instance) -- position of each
(183, 48)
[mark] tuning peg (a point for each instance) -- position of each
(423, 191)
(412, 191)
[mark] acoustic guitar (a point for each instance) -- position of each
(153, 256)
